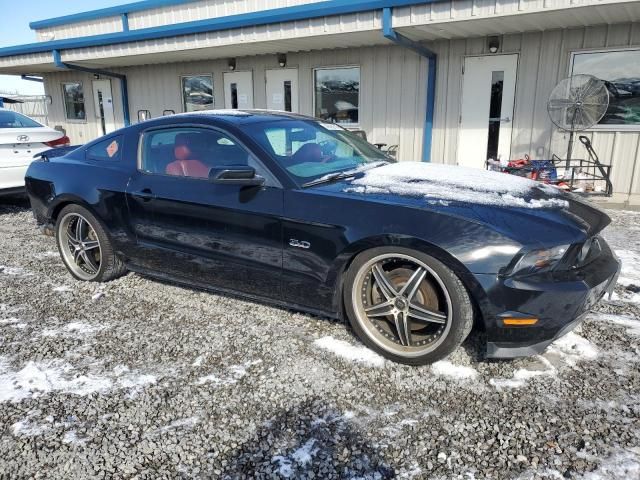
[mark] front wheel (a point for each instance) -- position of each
(85, 247)
(406, 305)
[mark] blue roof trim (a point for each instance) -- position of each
(105, 12)
(265, 17)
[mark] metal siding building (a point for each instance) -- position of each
(155, 44)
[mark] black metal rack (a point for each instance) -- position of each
(581, 176)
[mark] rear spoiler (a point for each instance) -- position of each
(55, 152)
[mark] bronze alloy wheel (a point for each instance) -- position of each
(402, 304)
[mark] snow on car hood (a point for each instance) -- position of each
(459, 184)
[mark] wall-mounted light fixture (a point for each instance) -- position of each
(232, 64)
(282, 60)
(48, 99)
(494, 44)
(96, 76)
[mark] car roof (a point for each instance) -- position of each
(242, 117)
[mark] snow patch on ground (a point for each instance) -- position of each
(71, 437)
(301, 457)
(47, 254)
(72, 328)
(567, 351)
(97, 296)
(626, 296)
(360, 354)
(56, 376)
(198, 361)
(630, 273)
(27, 428)
(62, 288)
(14, 271)
(631, 324)
(451, 183)
(181, 423)
(520, 378)
(573, 348)
(448, 369)
(13, 322)
(623, 465)
(230, 376)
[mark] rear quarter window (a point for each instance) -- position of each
(106, 150)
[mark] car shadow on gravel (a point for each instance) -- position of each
(309, 440)
(14, 203)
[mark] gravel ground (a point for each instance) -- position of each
(140, 379)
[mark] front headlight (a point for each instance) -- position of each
(539, 261)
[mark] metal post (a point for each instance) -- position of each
(390, 34)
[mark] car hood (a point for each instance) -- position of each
(496, 199)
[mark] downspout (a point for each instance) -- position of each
(57, 60)
(390, 34)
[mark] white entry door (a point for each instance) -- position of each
(103, 104)
(238, 90)
(282, 89)
(488, 96)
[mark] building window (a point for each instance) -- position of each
(620, 70)
(73, 96)
(337, 96)
(197, 92)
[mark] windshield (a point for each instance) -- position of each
(310, 149)
(10, 119)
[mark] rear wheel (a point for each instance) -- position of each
(407, 305)
(85, 247)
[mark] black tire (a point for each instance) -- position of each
(110, 266)
(460, 318)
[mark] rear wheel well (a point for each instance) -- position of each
(65, 203)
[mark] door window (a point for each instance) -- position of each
(495, 110)
(193, 152)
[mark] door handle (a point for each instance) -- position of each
(146, 195)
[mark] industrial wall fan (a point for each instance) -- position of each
(577, 103)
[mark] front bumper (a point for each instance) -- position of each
(559, 301)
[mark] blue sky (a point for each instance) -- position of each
(15, 30)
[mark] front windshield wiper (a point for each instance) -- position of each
(330, 178)
(341, 175)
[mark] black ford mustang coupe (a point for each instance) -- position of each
(302, 213)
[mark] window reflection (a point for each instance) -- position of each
(74, 101)
(197, 92)
(620, 70)
(337, 93)
(495, 110)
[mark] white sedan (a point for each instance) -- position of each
(20, 139)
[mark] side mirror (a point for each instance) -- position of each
(236, 175)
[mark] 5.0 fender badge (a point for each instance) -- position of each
(299, 244)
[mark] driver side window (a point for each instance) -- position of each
(193, 152)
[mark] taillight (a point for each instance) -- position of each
(60, 142)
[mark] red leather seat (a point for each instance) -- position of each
(186, 152)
